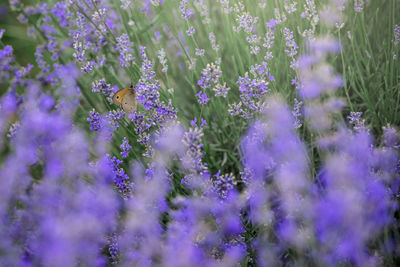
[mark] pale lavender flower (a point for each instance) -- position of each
(192, 160)
(396, 41)
(162, 59)
(190, 31)
(124, 46)
(396, 33)
(356, 121)
(269, 39)
(246, 22)
(390, 137)
(235, 109)
(213, 41)
(221, 90)
(280, 17)
(290, 43)
(224, 184)
(316, 76)
(103, 86)
(113, 117)
(13, 129)
(358, 5)
(310, 12)
(186, 13)
(199, 52)
(290, 7)
(126, 4)
(210, 75)
(297, 113)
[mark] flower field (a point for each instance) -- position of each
(199, 133)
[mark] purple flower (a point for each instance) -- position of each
(246, 22)
(221, 90)
(103, 86)
(297, 113)
(290, 43)
(66, 214)
(124, 46)
(224, 184)
(186, 13)
(163, 60)
(125, 147)
(251, 91)
(190, 31)
(356, 121)
(396, 33)
(271, 24)
(355, 203)
(212, 38)
(358, 5)
(120, 178)
(192, 160)
(94, 120)
(60, 11)
(114, 116)
(203, 99)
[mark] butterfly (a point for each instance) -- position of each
(126, 99)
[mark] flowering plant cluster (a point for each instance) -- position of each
(200, 133)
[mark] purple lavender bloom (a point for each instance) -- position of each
(192, 160)
(224, 184)
(190, 31)
(163, 60)
(94, 120)
(121, 179)
(58, 216)
(203, 99)
(355, 206)
(221, 90)
(252, 91)
(125, 147)
(114, 116)
(186, 13)
(6, 58)
(60, 10)
(124, 46)
(271, 24)
(396, 33)
(290, 43)
(297, 113)
(356, 121)
(103, 86)
(358, 5)
(7, 51)
(193, 122)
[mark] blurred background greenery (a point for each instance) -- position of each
(16, 35)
